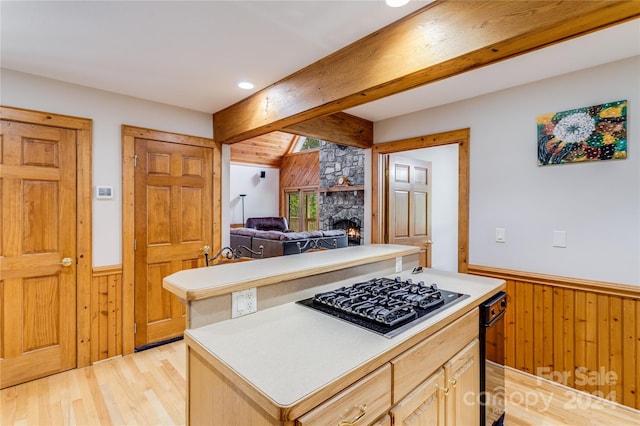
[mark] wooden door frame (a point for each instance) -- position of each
(129, 134)
(84, 137)
(460, 137)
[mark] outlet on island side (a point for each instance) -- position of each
(244, 302)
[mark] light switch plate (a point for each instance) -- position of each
(559, 238)
(501, 235)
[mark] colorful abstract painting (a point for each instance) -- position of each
(585, 134)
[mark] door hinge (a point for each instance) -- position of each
(135, 160)
(135, 244)
(135, 328)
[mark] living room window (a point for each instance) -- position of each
(306, 143)
(302, 210)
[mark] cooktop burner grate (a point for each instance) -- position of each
(383, 305)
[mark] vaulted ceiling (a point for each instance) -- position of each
(266, 150)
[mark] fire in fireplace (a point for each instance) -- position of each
(351, 226)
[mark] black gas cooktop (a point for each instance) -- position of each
(383, 305)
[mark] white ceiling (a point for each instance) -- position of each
(192, 54)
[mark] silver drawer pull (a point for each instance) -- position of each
(360, 415)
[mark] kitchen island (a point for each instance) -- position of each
(207, 292)
(292, 365)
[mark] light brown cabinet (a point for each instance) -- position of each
(424, 405)
(383, 421)
(462, 378)
(434, 382)
(448, 397)
(417, 363)
(360, 403)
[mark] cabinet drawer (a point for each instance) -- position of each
(369, 397)
(416, 364)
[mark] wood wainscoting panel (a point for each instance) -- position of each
(106, 312)
(581, 333)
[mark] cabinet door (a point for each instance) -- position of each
(462, 374)
(424, 406)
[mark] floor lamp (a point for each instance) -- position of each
(242, 198)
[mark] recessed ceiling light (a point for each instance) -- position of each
(396, 3)
(245, 85)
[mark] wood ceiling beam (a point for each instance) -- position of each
(340, 128)
(438, 41)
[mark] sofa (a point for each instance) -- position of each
(277, 223)
(271, 237)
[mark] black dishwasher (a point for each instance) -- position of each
(492, 392)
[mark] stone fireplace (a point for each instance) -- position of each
(341, 202)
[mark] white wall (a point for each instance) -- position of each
(262, 194)
(596, 203)
(109, 111)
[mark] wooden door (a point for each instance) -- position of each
(38, 228)
(424, 406)
(409, 204)
(462, 374)
(173, 221)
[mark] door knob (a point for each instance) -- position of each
(205, 249)
(428, 243)
(67, 261)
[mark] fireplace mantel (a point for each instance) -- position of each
(342, 188)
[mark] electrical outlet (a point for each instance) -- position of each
(244, 302)
(501, 235)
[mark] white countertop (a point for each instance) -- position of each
(200, 283)
(289, 351)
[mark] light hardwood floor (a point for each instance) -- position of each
(145, 388)
(148, 388)
(534, 401)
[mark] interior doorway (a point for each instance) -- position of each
(380, 206)
(408, 190)
(443, 204)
